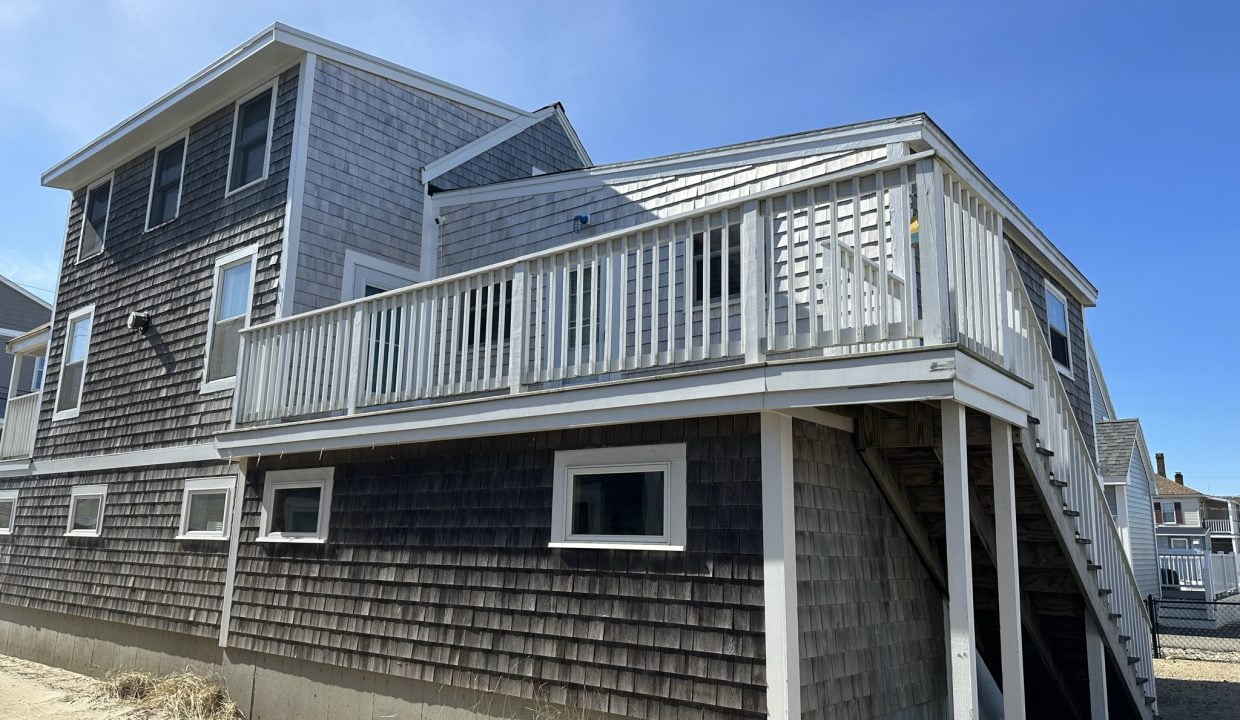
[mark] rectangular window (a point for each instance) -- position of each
(251, 144)
(230, 313)
(73, 363)
(620, 498)
(86, 510)
(205, 509)
(166, 178)
(8, 511)
(1057, 328)
(40, 369)
(297, 505)
(1179, 543)
(95, 219)
(724, 242)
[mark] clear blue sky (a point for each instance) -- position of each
(1108, 123)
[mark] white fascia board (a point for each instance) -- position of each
(470, 150)
(202, 452)
(1033, 242)
(843, 139)
(26, 293)
(572, 135)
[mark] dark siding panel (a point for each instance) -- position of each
(1078, 385)
(142, 390)
(545, 145)
(871, 620)
(438, 569)
(135, 573)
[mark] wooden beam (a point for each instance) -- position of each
(962, 640)
(905, 515)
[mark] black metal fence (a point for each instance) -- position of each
(1196, 629)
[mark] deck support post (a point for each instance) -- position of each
(779, 563)
(1096, 659)
(1007, 562)
(962, 642)
(753, 282)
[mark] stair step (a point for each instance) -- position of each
(1142, 680)
(1124, 638)
(1084, 541)
(1133, 660)
(1150, 701)
(1115, 616)
(1071, 513)
(1057, 482)
(1032, 420)
(1103, 592)
(1045, 451)
(1092, 566)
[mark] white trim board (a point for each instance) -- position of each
(290, 236)
(479, 145)
(26, 293)
(572, 135)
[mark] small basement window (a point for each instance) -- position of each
(297, 505)
(251, 145)
(205, 509)
(165, 201)
(8, 511)
(1057, 328)
(230, 313)
(73, 363)
(95, 219)
(86, 510)
(620, 498)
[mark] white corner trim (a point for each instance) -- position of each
(290, 238)
(783, 661)
(234, 544)
(479, 145)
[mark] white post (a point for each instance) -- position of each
(959, 563)
(938, 319)
(779, 562)
(753, 282)
(1096, 660)
(354, 372)
(517, 324)
(1007, 560)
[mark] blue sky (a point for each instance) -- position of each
(1108, 123)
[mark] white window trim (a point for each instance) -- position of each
(290, 479)
(64, 355)
(232, 258)
(670, 458)
(150, 195)
(86, 491)
(1052, 290)
(1173, 540)
(110, 178)
(387, 271)
(206, 486)
(9, 495)
(274, 86)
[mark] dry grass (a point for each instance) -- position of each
(182, 696)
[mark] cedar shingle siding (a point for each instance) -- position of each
(871, 620)
(438, 569)
(135, 572)
(142, 390)
(545, 145)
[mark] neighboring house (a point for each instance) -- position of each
(1188, 519)
(20, 312)
(1124, 462)
(367, 391)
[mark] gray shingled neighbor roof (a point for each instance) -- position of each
(1115, 442)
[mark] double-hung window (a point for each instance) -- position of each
(205, 509)
(1057, 328)
(166, 178)
(251, 143)
(73, 363)
(230, 312)
(95, 219)
(86, 504)
(8, 511)
(297, 505)
(620, 498)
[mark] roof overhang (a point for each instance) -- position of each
(31, 341)
(248, 65)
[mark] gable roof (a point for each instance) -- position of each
(1166, 486)
(1116, 439)
(26, 293)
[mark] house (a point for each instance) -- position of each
(1198, 539)
(365, 387)
(20, 312)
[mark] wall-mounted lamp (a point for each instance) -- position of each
(139, 321)
(580, 222)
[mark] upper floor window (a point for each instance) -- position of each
(165, 199)
(1057, 328)
(73, 363)
(1170, 513)
(251, 144)
(95, 219)
(230, 312)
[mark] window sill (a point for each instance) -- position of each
(583, 545)
(213, 538)
(248, 186)
(81, 259)
(160, 226)
(65, 414)
(1064, 370)
(82, 534)
(287, 540)
(215, 386)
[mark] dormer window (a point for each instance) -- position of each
(95, 219)
(165, 199)
(251, 145)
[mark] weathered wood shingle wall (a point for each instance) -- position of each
(437, 568)
(482, 233)
(545, 145)
(1078, 385)
(871, 620)
(135, 572)
(142, 389)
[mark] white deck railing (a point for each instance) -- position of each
(21, 418)
(1194, 571)
(1219, 526)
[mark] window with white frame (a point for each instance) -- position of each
(166, 178)
(1179, 543)
(297, 505)
(1168, 513)
(95, 219)
(86, 510)
(229, 314)
(251, 143)
(205, 508)
(8, 511)
(1057, 327)
(73, 363)
(621, 498)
